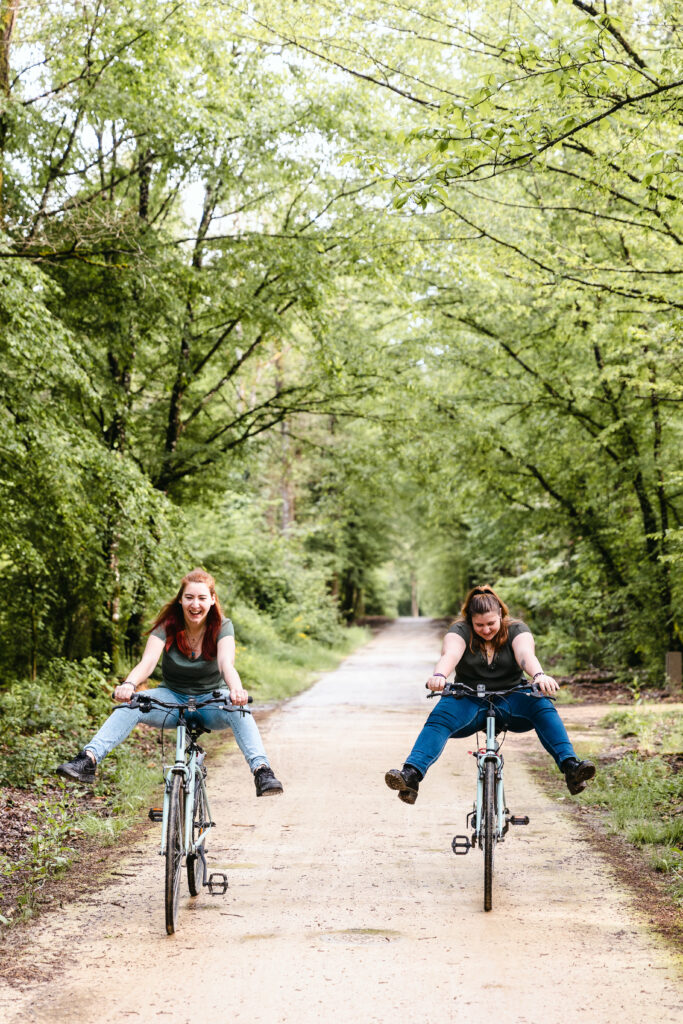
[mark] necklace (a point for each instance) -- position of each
(195, 643)
(489, 654)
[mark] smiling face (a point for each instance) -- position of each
(486, 625)
(196, 602)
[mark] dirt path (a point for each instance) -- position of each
(347, 905)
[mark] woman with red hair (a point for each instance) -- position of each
(197, 646)
(486, 645)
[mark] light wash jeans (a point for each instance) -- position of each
(123, 720)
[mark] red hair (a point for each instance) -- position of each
(479, 601)
(172, 619)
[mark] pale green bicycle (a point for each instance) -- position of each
(186, 814)
(490, 818)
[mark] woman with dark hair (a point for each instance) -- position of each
(197, 646)
(486, 645)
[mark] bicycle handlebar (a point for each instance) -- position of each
(145, 702)
(458, 689)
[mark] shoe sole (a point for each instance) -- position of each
(580, 780)
(67, 774)
(395, 781)
(408, 796)
(273, 791)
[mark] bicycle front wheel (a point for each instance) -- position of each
(200, 824)
(174, 851)
(490, 819)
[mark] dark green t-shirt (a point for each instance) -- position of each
(503, 672)
(190, 675)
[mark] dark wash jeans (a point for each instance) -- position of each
(455, 717)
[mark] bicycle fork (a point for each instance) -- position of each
(162, 814)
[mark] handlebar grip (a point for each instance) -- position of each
(217, 693)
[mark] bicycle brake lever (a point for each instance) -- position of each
(536, 692)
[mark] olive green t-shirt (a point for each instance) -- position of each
(503, 672)
(192, 676)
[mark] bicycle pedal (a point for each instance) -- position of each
(519, 819)
(217, 884)
(461, 845)
(156, 814)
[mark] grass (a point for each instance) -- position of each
(272, 667)
(654, 727)
(640, 792)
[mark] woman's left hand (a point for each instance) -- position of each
(546, 684)
(239, 697)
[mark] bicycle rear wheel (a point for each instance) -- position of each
(174, 851)
(200, 824)
(490, 821)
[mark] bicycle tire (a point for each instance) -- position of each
(200, 824)
(490, 827)
(174, 851)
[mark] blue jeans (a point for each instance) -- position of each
(123, 720)
(463, 716)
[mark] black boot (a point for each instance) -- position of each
(407, 782)
(265, 782)
(577, 773)
(82, 768)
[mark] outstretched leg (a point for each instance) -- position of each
(248, 738)
(522, 712)
(453, 716)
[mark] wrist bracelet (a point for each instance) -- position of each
(438, 674)
(536, 675)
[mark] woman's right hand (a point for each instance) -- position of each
(124, 691)
(436, 683)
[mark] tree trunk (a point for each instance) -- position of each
(414, 603)
(286, 488)
(8, 14)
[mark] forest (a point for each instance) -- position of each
(355, 305)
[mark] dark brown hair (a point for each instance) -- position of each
(480, 601)
(172, 619)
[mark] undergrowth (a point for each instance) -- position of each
(641, 791)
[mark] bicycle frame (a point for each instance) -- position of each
(185, 816)
(491, 752)
(490, 819)
(189, 758)
(189, 763)
(485, 755)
